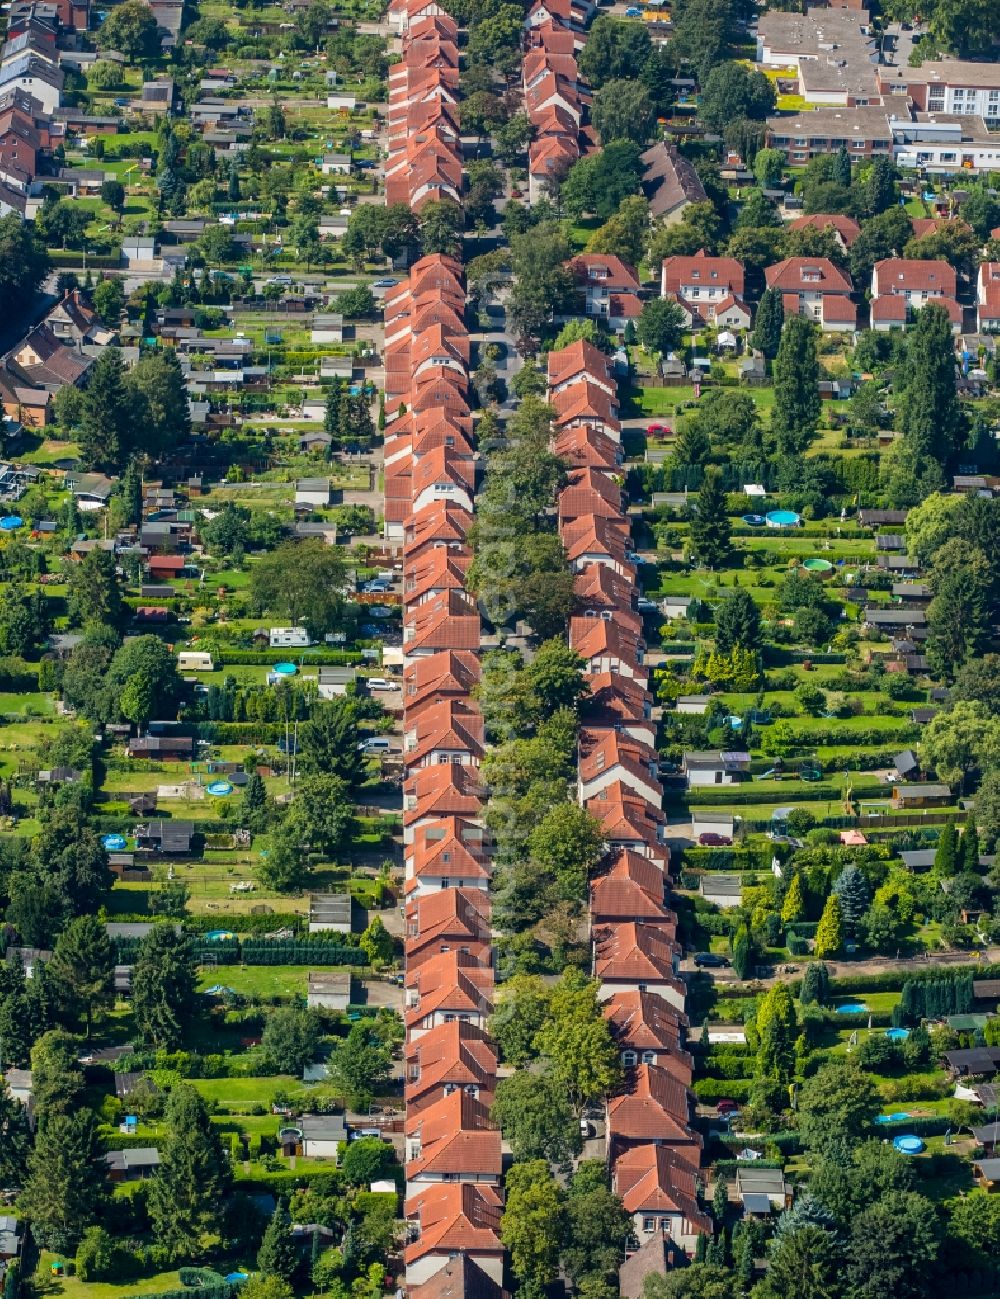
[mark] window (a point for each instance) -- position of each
(665, 1226)
(649, 1224)
(649, 1057)
(628, 1059)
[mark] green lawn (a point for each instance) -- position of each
(71, 1287)
(240, 1095)
(257, 980)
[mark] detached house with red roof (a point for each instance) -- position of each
(845, 228)
(902, 285)
(710, 289)
(988, 297)
(610, 288)
(813, 287)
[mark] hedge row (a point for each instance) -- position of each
(893, 980)
(787, 1142)
(265, 658)
(745, 795)
(710, 1090)
(731, 1167)
(255, 951)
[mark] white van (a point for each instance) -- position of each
(375, 744)
(381, 683)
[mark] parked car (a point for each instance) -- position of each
(385, 284)
(712, 840)
(709, 961)
(727, 1107)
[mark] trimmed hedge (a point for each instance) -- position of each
(787, 1142)
(266, 658)
(710, 1090)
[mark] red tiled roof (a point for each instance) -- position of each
(807, 274)
(703, 270)
(454, 1218)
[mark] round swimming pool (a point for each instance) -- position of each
(755, 520)
(10, 522)
(219, 788)
(214, 934)
(285, 669)
(851, 1008)
(908, 1145)
(817, 565)
(897, 1034)
(782, 519)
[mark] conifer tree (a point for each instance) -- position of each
(710, 531)
(830, 930)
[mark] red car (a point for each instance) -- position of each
(711, 840)
(656, 428)
(727, 1107)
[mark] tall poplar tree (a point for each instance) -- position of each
(797, 404)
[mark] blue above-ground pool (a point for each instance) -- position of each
(897, 1116)
(219, 788)
(214, 935)
(285, 669)
(897, 1034)
(908, 1145)
(10, 522)
(113, 842)
(851, 1008)
(755, 520)
(782, 519)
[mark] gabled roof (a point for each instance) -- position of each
(630, 889)
(654, 1107)
(583, 446)
(461, 1278)
(441, 522)
(846, 227)
(453, 724)
(442, 789)
(457, 1054)
(456, 1136)
(454, 1218)
(580, 357)
(645, 1020)
(703, 270)
(446, 621)
(456, 915)
(433, 678)
(447, 847)
(655, 1179)
(634, 952)
(596, 637)
(449, 982)
(437, 570)
(590, 491)
(807, 274)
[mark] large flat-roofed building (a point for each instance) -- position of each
(863, 131)
(944, 143)
(946, 86)
(785, 40)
